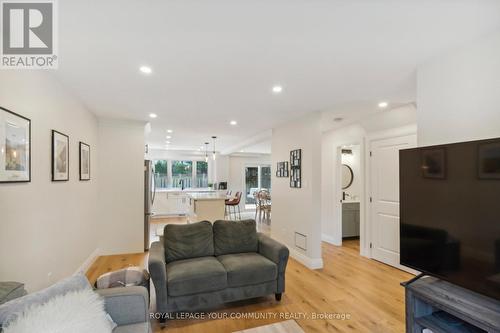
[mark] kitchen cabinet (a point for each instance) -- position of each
(170, 203)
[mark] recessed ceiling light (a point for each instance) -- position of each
(167, 142)
(383, 105)
(277, 89)
(169, 131)
(233, 122)
(145, 69)
(153, 115)
(169, 137)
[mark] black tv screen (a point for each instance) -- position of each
(450, 213)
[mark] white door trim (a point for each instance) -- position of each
(364, 243)
(370, 138)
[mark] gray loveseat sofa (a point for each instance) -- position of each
(200, 265)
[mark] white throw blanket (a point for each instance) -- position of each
(75, 312)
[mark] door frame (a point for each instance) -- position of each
(338, 194)
(370, 139)
(244, 184)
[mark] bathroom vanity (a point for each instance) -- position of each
(350, 219)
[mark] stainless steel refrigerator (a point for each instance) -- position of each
(149, 198)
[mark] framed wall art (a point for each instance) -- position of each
(282, 169)
(15, 147)
(60, 156)
(84, 154)
(295, 168)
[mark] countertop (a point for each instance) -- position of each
(186, 190)
(350, 201)
(215, 195)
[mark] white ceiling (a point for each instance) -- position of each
(215, 61)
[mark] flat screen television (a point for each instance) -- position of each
(450, 213)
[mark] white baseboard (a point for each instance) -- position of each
(329, 239)
(89, 261)
(311, 263)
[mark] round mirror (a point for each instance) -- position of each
(347, 176)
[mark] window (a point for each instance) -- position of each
(182, 174)
(265, 177)
(161, 174)
(178, 174)
(256, 178)
(201, 174)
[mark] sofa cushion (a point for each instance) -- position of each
(245, 269)
(193, 276)
(188, 241)
(235, 237)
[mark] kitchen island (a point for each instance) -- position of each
(206, 206)
(174, 201)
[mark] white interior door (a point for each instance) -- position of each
(384, 166)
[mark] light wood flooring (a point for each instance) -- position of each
(363, 289)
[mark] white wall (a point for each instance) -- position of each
(121, 186)
(353, 160)
(330, 182)
(458, 94)
(298, 210)
(221, 170)
(47, 227)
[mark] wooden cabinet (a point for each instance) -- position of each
(350, 219)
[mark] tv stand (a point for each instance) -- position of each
(415, 278)
(446, 308)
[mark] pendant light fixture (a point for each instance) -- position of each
(206, 151)
(213, 153)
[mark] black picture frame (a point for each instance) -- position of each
(433, 161)
(28, 158)
(282, 169)
(81, 149)
(55, 174)
(488, 160)
(296, 168)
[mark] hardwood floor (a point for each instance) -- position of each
(363, 289)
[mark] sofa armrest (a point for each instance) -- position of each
(126, 305)
(158, 271)
(277, 253)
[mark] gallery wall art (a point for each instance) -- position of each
(296, 168)
(60, 156)
(15, 147)
(282, 169)
(84, 161)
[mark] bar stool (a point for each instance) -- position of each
(234, 203)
